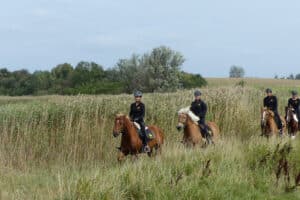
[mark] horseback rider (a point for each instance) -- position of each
(199, 108)
(294, 102)
(270, 102)
(137, 114)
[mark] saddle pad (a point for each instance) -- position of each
(149, 134)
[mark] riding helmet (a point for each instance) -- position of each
(294, 93)
(268, 90)
(197, 93)
(138, 93)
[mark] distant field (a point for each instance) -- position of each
(61, 147)
(216, 82)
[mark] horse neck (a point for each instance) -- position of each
(129, 129)
(290, 116)
(272, 123)
(191, 127)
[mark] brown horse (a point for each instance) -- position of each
(192, 135)
(268, 125)
(292, 122)
(130, 141)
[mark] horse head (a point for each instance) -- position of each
(119, 124)
(291, 115)
(182, 119)
(185, 115)
(266, 115)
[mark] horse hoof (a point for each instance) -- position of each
(293, 137)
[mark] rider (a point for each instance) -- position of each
(270, 102)
(199, 108)
(137, 114)
(294, 103)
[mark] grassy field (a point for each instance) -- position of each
(56, 147)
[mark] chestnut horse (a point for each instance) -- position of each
(130, 141)
(292, 122)
(268, 124)
(192, 135)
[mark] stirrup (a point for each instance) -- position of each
(146, 149)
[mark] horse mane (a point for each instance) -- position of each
(122, 115)
(188, 112)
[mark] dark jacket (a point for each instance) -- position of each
(199, 108)
(137, 112)
(294, 103)
(271, 103)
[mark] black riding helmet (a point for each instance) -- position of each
(294, 93)
(197, 93)
(137, 93)
(268, 90)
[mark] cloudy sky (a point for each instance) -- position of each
(263, 36)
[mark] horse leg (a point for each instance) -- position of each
(150, 154)
(121, 156)
(158, 149)
(134, 157)
(293, 134)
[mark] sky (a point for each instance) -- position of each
(262, 36)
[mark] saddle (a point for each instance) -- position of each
(149, 134)
(209, 130)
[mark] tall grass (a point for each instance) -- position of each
(57, 147)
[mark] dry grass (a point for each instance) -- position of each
(56, 147)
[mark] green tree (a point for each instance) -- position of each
(23, 83)
(236, 72)
(157, 71)
(62, 75)
(297, 76)
(189, 81)
(86, 72)
(291, 76)
(132, 74)
(6, 81)
(163, 69)
(43, 81)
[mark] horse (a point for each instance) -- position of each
(192, 133)
(130, 140)
(268, 125)
(292, 122)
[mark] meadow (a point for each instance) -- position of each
(61, 147)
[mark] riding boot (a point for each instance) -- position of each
(202, 130)
(209, 139)
(279, 124)
(207, 135)
(146, 148)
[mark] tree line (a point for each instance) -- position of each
(291, 77)
(157, 71)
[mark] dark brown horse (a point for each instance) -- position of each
(192, 135)
(268, 125)
(292, 122)
(130, 141)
